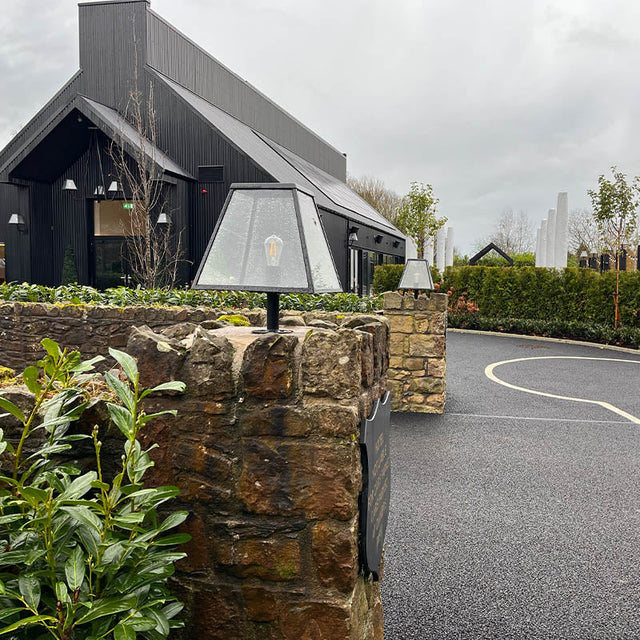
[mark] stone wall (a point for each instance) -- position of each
(94, 328)
(417, 366)
(265, 450)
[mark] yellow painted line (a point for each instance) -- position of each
(489, 372)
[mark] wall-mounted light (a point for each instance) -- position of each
(396, 244)
(99, 191)
(69, 185)
(114, 187)
(378, 239)
(164, 218)
(17, 220)
(353, 235)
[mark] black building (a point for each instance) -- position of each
(213, 129)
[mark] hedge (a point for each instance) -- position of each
(124, 297)
(603, 334)
(568, 295)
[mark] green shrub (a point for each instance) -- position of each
(552, 328)
(567, 295)
(235, 319)
(83, 556)
(123, 297)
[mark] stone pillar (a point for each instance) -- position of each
(441, 239)
(265, 450)
(417, 364)
(551, 239)
(562, 231)
(448, 259)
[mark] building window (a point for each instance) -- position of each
(211, 173)
(110, 218)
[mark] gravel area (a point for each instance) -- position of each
(515, 515)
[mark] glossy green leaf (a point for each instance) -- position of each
(51, 347)
(74, 568)
(30, 377)
(9, 407)
(124, 631)
(166, 386)
(84, 515)
(62, 593)
(127, 363)
(122, 418)
(122, 390)
(175, 539)
(79, 486)
(27, 622)
(30, 589)
(107, 607)
(173, 520)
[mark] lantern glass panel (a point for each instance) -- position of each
(323, 272)
(237, 258)
(416, 275)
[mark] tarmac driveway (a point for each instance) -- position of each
(515, 514)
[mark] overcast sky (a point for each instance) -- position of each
(497, 104)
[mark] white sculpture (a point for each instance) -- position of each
(448, 259)
(441, 238)
(562, 228)
(551, 239)
(543, 244)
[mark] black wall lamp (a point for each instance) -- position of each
(17, 220)
(378, 239)
(353, 235)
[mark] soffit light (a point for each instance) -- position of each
(69, 185)
(269, 238)
(416, 276)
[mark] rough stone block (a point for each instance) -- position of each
(314, 480)
(427, 385)
(268, 366)
(331, 363)
(335, 552)
(413, 364)
(398, 344)
(322, 620)
(437, 367)
(272, 559)
(401, 323)
(392, 300)
(421, 346)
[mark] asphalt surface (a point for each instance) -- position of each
(516, 515)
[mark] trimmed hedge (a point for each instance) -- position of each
(124, 297)
(603, 334)
(569, 295)
(386, 277)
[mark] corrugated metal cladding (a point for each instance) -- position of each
(175, 56)
(15, 199)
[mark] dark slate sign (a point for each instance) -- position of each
(376, 485)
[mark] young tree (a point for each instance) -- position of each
(615, 204)
(373, 190)
(417, 215)
(154, 251)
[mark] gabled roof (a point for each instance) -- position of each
(112, 124)
(283, 165)
(490, 247)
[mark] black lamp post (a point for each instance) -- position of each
(269, 239)
(416, 276)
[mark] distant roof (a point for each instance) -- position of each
(117, 128)
(284, 165)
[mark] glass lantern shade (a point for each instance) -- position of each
(268, 238)
(416, 275)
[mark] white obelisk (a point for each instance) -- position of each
(448, 259)
(538, 247)
(441, 239)
(543, 244)
(562, 228)
(428, 250)
(551, 237)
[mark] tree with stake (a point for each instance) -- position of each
(614, 209)
(417, 215)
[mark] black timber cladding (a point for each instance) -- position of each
(54, 145)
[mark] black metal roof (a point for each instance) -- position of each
(285, 166)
